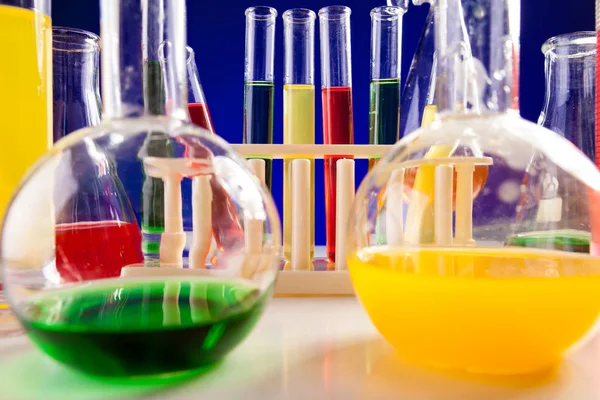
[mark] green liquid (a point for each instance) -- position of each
(157, 144)
(573, 241)
(124, 329)
(384, 122)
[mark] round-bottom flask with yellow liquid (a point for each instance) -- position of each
(445, 287)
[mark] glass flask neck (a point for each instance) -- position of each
(195, 87)
(476, 77)
(134, 34)
(570, 88)
(75, 59)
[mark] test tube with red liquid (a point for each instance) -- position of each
(336, 83)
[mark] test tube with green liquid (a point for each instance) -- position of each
(258, 80)
(298, 108)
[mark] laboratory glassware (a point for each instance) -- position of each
(76, 85)
(459, 298)
(336, 89)
(146, 320)
(298, 108)
(259, 86)
(568, 111)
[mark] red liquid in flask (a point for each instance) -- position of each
(338, 128)
(200, 116)
(96, 250)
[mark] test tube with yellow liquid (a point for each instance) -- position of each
(26, 85)
(298, 109)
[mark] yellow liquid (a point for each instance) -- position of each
(298, 128)
(26, 94)
(486, 310)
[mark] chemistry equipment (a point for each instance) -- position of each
(148, 318)
(460, 298)
(259, 78)
(336, 83)
(571, 88)
(386, 61)
(197, 106)
(76, 85)
(568, 111)
(27, 86)
(298, 109)
(26, 103)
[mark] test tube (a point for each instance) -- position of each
(336, 82)
(258, 79)
(386, 46)
(298, 108)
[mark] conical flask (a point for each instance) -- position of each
(227, 231)
(99, 209)
(114, 315)
(456, 291)
(569, 111)
(197, 106)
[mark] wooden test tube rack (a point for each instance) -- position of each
(303, 276)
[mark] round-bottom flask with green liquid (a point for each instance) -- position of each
(85, 292)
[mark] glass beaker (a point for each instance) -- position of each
(462, 299)
(76, 85)
(26, 82)
(26, 101)
(150, 319)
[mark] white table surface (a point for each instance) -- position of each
(303, 348)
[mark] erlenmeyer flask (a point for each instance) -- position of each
(100, 209)
(227, 230)
(569, 111)
(571, 88)
(197, 107)
(418, 105)
(76, 87)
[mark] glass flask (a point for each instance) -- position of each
(568, 111)
(26, 101)
(460, 298)
(570, 88)
(123, 316)
(417, 104)
(197, 107)
(76, 85)
(228, 233)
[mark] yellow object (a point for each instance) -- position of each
(298, 128)
(419, 218)
(26, 91)
(491, 310)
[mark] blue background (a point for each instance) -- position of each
(216, 32)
